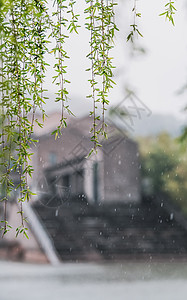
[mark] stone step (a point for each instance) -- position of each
(84, 232)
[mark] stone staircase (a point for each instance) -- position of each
(85, 232)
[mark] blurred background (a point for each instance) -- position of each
(111, 225)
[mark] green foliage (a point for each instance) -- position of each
(164, 163)
(6, 227)
(158, 167)
(134, 27)
(24, 26)
(169, 12)
(27, 31)
(102, 29)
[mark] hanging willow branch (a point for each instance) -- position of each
(23, 34)
(102, 28)
(170, 11)
(26, 29)
(134, 27)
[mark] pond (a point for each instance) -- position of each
(121, 281)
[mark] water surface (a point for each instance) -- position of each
(126, 281)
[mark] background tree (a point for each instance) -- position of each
(164, 164)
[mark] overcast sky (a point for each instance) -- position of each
(155, 76)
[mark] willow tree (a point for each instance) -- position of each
(27, 27)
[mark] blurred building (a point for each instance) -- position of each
(64, 169)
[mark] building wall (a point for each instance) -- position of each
(122, 172)
(50, 152)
